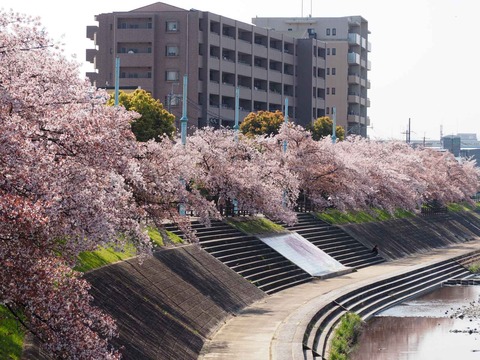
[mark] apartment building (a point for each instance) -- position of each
(158, 44)
(347, 64)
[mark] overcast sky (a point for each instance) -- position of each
(424, 52)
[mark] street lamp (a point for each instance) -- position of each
(183, 129)
(334, 125)
(184, 119)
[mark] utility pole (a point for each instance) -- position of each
(409, 131)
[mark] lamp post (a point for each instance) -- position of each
(117, 79)
(184, 119)
(334, 126)
(286, 122)
(183, 129)
(237, 106)
(285, 116)
(236, 127)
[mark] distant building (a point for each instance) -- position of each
(473, 154)
(320, 64)
(468, 136)
(452, 143)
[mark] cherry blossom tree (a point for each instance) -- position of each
(228, 167)
(66, 164)
(359, 174)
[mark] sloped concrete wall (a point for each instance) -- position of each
(167, 306)
(402, 237)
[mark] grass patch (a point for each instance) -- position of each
(458, 207)
(157, 238)
(174, 237)
(11, 336)
(474, 267)
(345, 336)
(334, 216)
(89, 260)
(256, 225)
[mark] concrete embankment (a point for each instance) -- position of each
(403, 237)
(169, 306)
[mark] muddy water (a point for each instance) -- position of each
(422, 329)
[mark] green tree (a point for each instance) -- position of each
(154, 122)
(323, 126)
(262, 123)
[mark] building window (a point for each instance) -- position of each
(172, 26)
(171, 75)
(328, 32)
(328, 51)
(333, 91)
(171, 50)
(334, 32)
(334, 71)
(328, 71)
(327, 110)
(328, 91)
(334, 51)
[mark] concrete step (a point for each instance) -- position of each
(253, 261)
(285, 282)
(294, 281)
(252, 272)
(246, 253)
(273, 271)
(371, 298)
(235, 245)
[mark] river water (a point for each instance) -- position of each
(424, 328)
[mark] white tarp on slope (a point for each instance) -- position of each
(303, 253)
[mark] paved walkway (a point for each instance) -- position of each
(273, 328)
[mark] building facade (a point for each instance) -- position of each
(158, 44)
(347, 65)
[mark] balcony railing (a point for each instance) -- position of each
(354, 39)
(353, 58)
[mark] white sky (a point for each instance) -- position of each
(424, 53)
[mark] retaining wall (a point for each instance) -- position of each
(403, 237)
